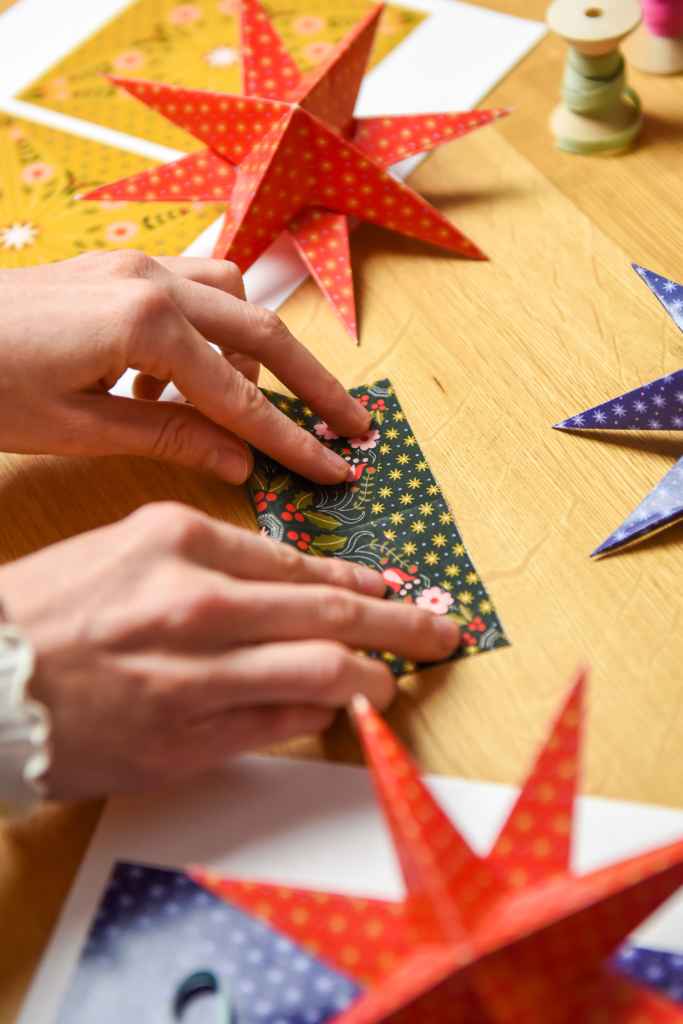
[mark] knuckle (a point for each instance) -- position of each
(339, 572)
(246, 397)
(342, 612)
(174, 439)
(147, 301)
(267, 328)
(291, 562)
(232, 275)
(128, 263)
(332, 663)
(169, 519)
(167, 526)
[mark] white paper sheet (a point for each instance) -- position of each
(455, 58)
(316, 826)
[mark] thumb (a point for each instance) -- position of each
(168, 431)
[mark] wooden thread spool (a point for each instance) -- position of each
(600, 113)
(656, 46)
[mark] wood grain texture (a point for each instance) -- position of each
(484, 357)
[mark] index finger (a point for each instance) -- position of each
(238, 326)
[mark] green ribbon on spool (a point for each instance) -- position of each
(595, 87)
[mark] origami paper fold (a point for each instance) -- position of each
(654, 406)
(511, 938)
(392, 517)
(289, 155)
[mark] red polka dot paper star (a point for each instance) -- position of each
(513, 938)
(289, 155)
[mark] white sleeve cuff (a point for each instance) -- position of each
(24, 728)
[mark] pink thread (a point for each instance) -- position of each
(663, 17)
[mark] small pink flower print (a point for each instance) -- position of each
(185, 14)
(316, 51)
(365, 441)
(16, 135)
(309, 25)
(228, 6)
(121, 231)
(435, 600)
(113, 204)
(197, 207)
(322, 430)
(130, 60)
(58, 89)
(33, 174)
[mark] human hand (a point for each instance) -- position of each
(69, 330)
(169, 641)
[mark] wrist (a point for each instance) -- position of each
(24, 727)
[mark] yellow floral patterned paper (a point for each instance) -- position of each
(42, 170)
(193, 44)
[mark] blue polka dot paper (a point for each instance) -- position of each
(660, 970)
(155, 930)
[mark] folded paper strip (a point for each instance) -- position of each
(654, 406)
(391, 517)
(511, 938)
(289, 155)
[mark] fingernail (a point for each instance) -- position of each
(228, 464)
(339, 463)
(449, 633)
(370, 582)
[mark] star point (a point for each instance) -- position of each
(512, 936)
(288, 155)
(631, 411)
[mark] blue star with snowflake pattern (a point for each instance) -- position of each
(654, 406)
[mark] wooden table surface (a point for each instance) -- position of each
(484, 357)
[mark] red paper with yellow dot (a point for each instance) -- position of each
(289, 155)
(513, 938)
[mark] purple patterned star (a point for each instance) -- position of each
(657, 405)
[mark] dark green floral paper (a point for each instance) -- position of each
(391, 517)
